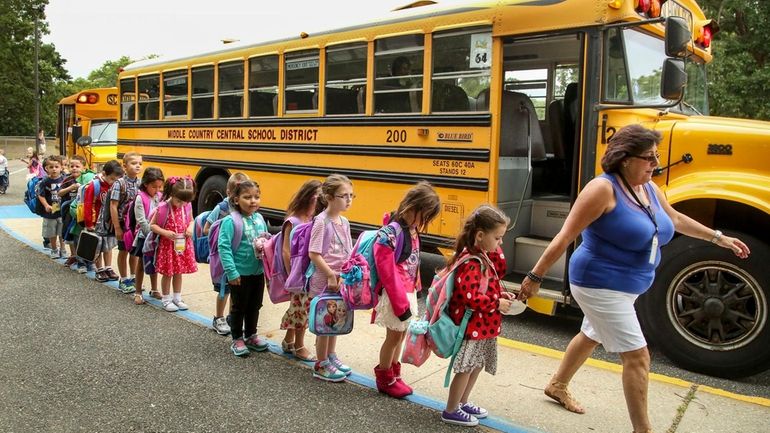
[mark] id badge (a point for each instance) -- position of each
(654, 249)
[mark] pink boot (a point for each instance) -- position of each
(387, 384)
(396, 367)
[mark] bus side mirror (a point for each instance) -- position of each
(673, 79)
(677, 37)
(83, 141)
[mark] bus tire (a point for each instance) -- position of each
(213, 191)
(708, 309)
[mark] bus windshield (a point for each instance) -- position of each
(104, 132)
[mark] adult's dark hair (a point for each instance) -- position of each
(629, 140)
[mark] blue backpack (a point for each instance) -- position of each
(30, 196)
(200, 239)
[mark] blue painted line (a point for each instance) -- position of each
(16, 211)
(275, 348)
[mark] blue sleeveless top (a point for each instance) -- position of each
(615, 251)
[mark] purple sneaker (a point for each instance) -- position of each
(256, 344)
(459, 417)
(472, 409)
(239, 348)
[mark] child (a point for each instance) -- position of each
(122, 194)
(337, 195)
(302, 208)
(221, 210)
(3, 172)
(49, 198)
(149, 190)
(65, 171)
(399, 281)
(68, 192)
(243, 269)
(481, 236)
(97, 218)
(175, 255)
(33, 164)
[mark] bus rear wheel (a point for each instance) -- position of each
(708, 309)
(213, 191)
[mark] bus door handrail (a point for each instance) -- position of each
(524, 108)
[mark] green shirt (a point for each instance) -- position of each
(242, 260)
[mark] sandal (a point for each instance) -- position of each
(309, 358)
(287, 347)
(138, 299)
(559, 392)
(156, 294)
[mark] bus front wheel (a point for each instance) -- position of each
(212, 192)
(708, 309)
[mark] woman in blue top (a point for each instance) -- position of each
(623, 219)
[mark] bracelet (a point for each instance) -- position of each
(534, 277)
(717, 237)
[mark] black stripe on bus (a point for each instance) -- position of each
(356, 228)
(474, 184)
(333, 149)
(482, 119)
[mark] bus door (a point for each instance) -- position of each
(65, 121)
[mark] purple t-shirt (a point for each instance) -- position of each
(340, 247)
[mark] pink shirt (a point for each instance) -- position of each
(340, 246)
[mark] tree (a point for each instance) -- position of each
(739, 79)
(17, 68)
(107, 74)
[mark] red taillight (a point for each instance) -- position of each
(88, 98)
(643, 6)
(707, 36)
(654, 9)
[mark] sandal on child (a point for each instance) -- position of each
(310, 358)
(138, 299)
(156, 294)
(287, 347)
(559, 392)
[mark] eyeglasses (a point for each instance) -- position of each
(345, 196)
(649, 158)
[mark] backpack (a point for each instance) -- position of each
(359, 273)
(299, 245)
(77, 203)
(215, 261)
(200, 240)
(129, 220)
(30, 196)
(328, 315)
(151, 242)
(275, 271)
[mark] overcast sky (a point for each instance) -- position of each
(89, 32)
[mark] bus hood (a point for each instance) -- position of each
(103, 152)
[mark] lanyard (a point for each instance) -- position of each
(650, 214)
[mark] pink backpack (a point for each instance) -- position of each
(301, 268)
(129, 219)
(275, 271)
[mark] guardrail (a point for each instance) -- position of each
(16, 146)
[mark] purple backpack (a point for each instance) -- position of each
(215, 261)
(301, 268)
(276, 271)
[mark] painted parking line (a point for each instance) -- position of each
(493, 422)
(617, 368)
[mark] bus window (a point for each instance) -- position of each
(149, 108)
(231, 89)
(203, 92)
(616, 83)
(175, 94)
(301, 92)
(462, 63)
(531, 82)
(128, 99)
(398, 74)
(346, 79)
(263, 86)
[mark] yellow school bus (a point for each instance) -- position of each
(504, 102)
(94, 113)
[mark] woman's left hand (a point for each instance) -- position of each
(736, 245)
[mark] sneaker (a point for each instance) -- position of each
(54, 254)
(180, 305)
(220, 325)
(324, 370)
(90, 267)
(239, 348)
(82, 268)
(126, 287)
(170, 306)
(459, 417)
(256, 344)
(472, 409)
(339, 365)
(102, 276)
(111, 274)
(71, 260)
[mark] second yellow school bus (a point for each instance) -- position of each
(505, 102)
(91, 112)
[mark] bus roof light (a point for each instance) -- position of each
(654, 9)
(88, 98)
(615, 4)
(643, 6)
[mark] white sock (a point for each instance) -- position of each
(166, 298)
(100, 269)
(177, 297)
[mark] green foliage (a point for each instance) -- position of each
(739, 76)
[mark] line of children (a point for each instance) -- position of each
(243, 266)
(122, 194)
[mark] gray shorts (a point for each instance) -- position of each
(108, 243)
(51, 227)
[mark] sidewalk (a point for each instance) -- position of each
(514, 396)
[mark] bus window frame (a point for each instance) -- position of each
(229, 63)
(149, 100)
(341, 46)
(303, 53)
(135, 101)
(276, 88)
(433, 76)
(212, 94)
(176, 72)
(424, 78)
